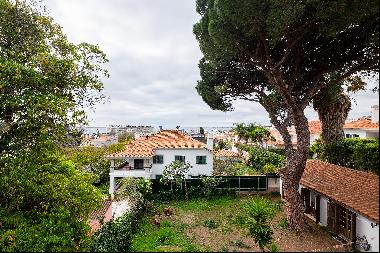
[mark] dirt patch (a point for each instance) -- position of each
(217, 240)
(314, 239)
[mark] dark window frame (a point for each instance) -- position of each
(158, 161)
(180, 158)
(199, 159)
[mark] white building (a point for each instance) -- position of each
(366, 127)
(345, 201)
(148, 157)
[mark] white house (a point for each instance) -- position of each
(148, 157)
(366, 127)
(345, 201)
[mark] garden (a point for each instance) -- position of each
(209, 220)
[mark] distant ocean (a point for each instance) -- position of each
(103, 129)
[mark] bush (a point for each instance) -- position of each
(355, 153)
(116, 235)
(258, 213)
(274, 248)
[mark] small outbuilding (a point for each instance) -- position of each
(344, 200)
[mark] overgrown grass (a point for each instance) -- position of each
(168, 237)
(178, 232)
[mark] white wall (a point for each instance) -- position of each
(273, 184)
(190, 156)
(313, 137)
(323, 211)
(363, 227)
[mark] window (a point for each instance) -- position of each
(179, 158)
(201, 159)
(158, 159)
(348, 136)
(355, 135)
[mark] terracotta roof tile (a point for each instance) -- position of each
(226, 153)
(357, 190)
(167, 139)
(315, 127)
(363, 123)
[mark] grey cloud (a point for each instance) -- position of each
(153, 63)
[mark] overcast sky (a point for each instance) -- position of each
(153, 64)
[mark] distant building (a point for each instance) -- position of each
(365, 127)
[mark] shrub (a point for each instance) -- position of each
(355, 153)
(226, 166)
(258, 213)
(269, 169)
(116, 235)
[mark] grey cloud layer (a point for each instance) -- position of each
(153, 63)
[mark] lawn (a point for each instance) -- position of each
(215, 225)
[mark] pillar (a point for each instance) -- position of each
(112, 185)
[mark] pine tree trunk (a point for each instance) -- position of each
(333, 116)
(292, 172)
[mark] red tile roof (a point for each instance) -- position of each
(315, 127)
(167, 139)
(226, 153)
(363, 123)
(354, 189)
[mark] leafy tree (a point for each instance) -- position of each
(252, 133)
(225, 166)
(176, 173)
(45, 83)
(45, 202)
(280, 54)
(91, 159)
(259, 158)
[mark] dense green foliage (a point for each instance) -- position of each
(116, 235)
(259, 159)
(355, 153)
(225, 166)
(91, 159)
(45, 83)
(45, 202)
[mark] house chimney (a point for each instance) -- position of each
(210, 141)
(375, 114)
